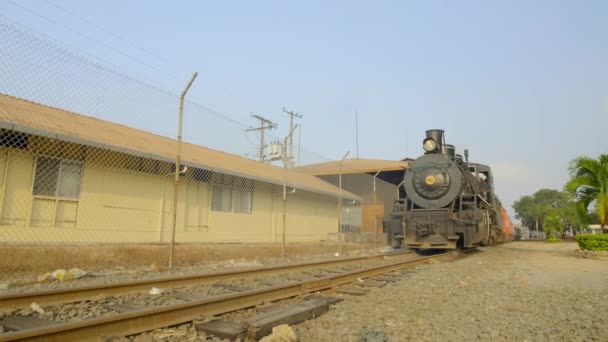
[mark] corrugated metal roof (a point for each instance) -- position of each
(353, 165)
(34, 118)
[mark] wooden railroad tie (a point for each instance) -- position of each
(272, 315)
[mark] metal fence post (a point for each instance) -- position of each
(376, 221)
(285, 188)
(177, 168)
(340, 202)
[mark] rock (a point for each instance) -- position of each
(74, 273)
(370, 334)
(59, 274)
(281, 333)
(35, 307)
(433, 261)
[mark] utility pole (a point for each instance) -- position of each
(264, 125)
(291, 115)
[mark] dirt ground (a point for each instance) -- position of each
(520, 291)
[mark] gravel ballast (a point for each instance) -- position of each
(524, 291)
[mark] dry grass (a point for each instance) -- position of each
(19, 261)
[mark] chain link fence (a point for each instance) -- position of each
(87, 168)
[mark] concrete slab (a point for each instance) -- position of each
(19, 323)
(371, 283)
(262, 324)
(222, 329)
(352, 290)
(327, 299)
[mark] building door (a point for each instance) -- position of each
(373, 215)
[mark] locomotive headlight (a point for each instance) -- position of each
(429, 144)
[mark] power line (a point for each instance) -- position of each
(91, 39)
(99, 27)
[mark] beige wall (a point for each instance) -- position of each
(117, 204)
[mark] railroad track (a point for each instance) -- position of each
(136, 320)
(66, 295)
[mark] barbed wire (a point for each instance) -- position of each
(117, 36)
(33, 63)
(96, 41)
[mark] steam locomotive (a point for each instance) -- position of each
(446, 202)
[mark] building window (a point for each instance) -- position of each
(235, 195)
(241, 201)
(221, 198)
(13, 139)
(56, 177)
(141, 164)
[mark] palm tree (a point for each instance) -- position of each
(589, 183)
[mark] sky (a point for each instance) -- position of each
(522, 84)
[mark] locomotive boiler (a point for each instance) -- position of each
(446, 201)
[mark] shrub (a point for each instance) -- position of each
(597, 242)
(552, 239)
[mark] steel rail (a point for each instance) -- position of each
(90, 292)
(138, 321)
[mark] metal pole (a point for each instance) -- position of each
(357, 131)
(264, 124)
(376, 222)
(399, 186)
(299, 143)
(340, 202)
(262, 144)
(285, 190)
(291, 142)
(177, 170)
(291, 128)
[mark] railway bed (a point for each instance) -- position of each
(92, 292)
(177, 306)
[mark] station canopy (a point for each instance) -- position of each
(391, 171)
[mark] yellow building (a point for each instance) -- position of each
(68, 178)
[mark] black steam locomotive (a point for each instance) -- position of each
(446, 202)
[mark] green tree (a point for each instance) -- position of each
(533, 209)
(589, 184)
(524, 211)
(554, 222)
(536, 209)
